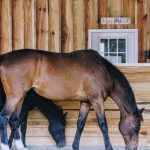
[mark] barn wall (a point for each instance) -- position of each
(62, 26)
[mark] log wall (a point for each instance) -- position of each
(62, 26)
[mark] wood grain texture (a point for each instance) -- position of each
(29, 24)
(66, 26)
(102, 12)
(91, 17)
(5, 27)
(129, 11)
(42, 24)
(54, 26)
(78, 24)
(17, 24)
(115, 10)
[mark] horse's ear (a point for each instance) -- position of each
(65, 114)
(141, 110)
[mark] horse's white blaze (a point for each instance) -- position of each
(19, 145)
(4, 147)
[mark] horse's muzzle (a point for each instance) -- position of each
(61, 144)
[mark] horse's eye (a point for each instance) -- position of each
(136, 128)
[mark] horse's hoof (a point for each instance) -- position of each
(4, 146)
(19, 145)
(109, 148)
(75, 147)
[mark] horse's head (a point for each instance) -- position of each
(129, 127)
(57, 130)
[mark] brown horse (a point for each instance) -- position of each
(82, 75)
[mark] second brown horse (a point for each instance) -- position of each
(83, 75)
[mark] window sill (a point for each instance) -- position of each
(134, 64)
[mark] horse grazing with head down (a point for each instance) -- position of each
(54, 114)
(82, 75)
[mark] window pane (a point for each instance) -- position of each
(103, 45)
(113, 57)
(113, 45)
(121, 58)
(121, 45)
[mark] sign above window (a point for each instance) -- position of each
(115, 20)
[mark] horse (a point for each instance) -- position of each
(54, 114)
(82, 75)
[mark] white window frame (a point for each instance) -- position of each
(135, 31)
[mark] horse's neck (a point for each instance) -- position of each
(125, 100)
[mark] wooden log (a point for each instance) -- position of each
(148, 24)
(66, 26)
(129, 11)
(54, 26)
(42, 24)
(79, 24)
(17, 24)
(115, 10)
(102, 12)
(29, 24)
(140, 30)
(91, 17)
(5, 27)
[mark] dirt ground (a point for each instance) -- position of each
(82, 148)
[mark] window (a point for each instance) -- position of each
(119, 46)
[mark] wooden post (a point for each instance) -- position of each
(17, 24)
(142, 18)
(91, 17)
(115, 10)
(29, 24)
(5, 27)
(42, 24)
(54, 26)
(148, 23)
(79, 24)
(129, 11)
(66, 26)
(102, 12)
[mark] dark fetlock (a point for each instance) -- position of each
(75, 146)
(109, 148)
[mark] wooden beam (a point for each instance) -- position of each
(79, 24)
(42, 24)
(54, 26)
(129, 11)
(5, 27)
(17, 24)
(102, 12)
(66, 26)
(91, 17)
(29, 24)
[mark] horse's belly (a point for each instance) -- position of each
(61, 93)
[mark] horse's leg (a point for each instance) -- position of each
(23, 127)
(10, 107)
(84, 109)
(100, 114)
(18, 142)
(14, 124)
(4, 119)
